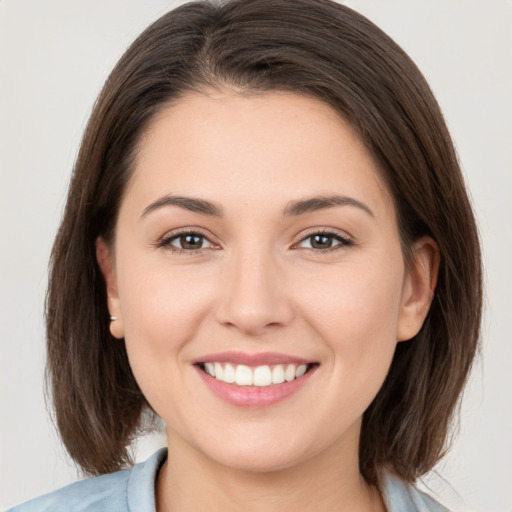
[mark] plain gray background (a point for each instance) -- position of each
(54, 57)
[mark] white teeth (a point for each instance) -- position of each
(301, 370)
(229, 374)
(260, 376)
(243, 375)
(219, 372)
(278, 374)
(210, 369)
(289, 373)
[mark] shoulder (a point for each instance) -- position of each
(106, 492)
(130, 489)
(399, 495)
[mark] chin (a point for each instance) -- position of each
(252, 462)
(267, 455)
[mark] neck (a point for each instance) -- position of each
(191, 481)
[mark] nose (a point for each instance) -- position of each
(254, 294)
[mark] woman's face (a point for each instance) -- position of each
(256, 240)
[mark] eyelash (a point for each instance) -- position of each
(344, 241)
(166, 241)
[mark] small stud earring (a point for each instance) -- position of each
(113, 318)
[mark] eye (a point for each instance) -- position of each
(324, 241)
(187, 241)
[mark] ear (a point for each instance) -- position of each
(419, 287)
(105, 257)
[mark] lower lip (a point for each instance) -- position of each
(254, 396)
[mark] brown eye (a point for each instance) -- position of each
(190, 241)
(186, 242)
(321, 241)
(324, 241)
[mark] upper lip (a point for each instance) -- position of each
(260, 359)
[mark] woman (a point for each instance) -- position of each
(262, 246)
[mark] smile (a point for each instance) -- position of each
(254, 380)
(260, 376)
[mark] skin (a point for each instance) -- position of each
(258, 285)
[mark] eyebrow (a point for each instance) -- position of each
(321, 203)
(292, 209)
(188, 203)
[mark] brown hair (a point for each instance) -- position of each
(312, 47)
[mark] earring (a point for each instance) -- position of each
(113, 318)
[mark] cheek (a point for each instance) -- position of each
(361, 297)
(355, 312)
(156, 296)
(355, 318)
(161, 311)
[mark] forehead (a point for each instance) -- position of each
(253, 147)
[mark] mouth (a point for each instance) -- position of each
(259, 376)
(253, 381)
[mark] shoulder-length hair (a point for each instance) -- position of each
(315, 48)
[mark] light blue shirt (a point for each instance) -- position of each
(133, 490)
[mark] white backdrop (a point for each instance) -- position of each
(54, 57)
